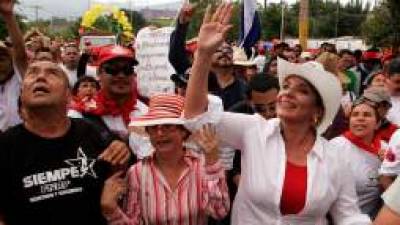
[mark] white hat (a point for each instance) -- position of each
(326, 84)
(240, 58)
(304, 55)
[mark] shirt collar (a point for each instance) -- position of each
(188, 157)
(318, 147)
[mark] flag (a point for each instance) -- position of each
(250, 31)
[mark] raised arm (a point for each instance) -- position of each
(20, 57)
(212, 34)
(177, 53)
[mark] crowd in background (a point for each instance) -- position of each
(250, 136)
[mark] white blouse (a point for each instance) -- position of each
(365, 172)
(391, 163)
(330, 187)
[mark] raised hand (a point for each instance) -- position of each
(186, 13)
(117, 153)
(207, 139)
(215, 27)
(113, 189)
(7, 7)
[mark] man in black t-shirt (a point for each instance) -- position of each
(52, 168)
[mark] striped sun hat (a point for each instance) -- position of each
(163, 109)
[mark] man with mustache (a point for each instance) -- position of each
(230, 89)
(222, 82)
(116, 102)
(52, 167)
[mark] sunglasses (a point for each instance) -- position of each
(114, 70)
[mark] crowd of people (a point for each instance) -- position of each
(250, 137)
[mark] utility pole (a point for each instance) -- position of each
(265, 4)
(303, 23)
(337, 18)
(36, 7)
(282, 35)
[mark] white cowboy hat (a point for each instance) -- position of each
(163, 109)
(240, 58)
(326, 84)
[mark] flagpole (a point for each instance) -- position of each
(282, 34)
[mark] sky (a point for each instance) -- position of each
(75, 8)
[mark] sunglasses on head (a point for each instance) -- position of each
(114, 70)
(363, 100)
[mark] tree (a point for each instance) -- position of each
(136, 19)
(3, 29)
(271, 21)
(381, 27)
(197, 19)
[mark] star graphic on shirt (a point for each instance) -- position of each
(84, 163)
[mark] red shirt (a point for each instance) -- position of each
(294, 189)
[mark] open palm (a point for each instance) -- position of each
(6, 6)
(215, 28)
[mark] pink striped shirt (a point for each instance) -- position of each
(201, 192)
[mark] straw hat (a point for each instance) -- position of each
(240, 58)
(163, 109)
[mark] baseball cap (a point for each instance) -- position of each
(109, 52)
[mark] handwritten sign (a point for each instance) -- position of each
(154, 69)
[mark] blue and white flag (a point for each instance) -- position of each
(250, 31)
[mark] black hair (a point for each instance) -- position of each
(262, 83)
(268, 64)
(84, 79)
(394, 67)
(345, 52)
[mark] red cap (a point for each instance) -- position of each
(108, 52)
(368, 55)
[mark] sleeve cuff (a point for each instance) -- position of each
(391, 197)
(213, 115)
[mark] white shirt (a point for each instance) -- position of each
(365, 170)
(394, 112)
(391, 163)
(71, 74)
(9, 94)
(391, 197)
(329, 185)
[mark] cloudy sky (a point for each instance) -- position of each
(75, 8)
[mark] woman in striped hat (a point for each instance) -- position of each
(174, 185)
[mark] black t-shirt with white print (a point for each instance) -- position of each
(52, 181)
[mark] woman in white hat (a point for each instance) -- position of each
(174, 185)
(364, 151)
(290, 175)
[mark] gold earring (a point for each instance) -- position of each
(316, 120)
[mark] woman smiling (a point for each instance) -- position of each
(364, 150)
